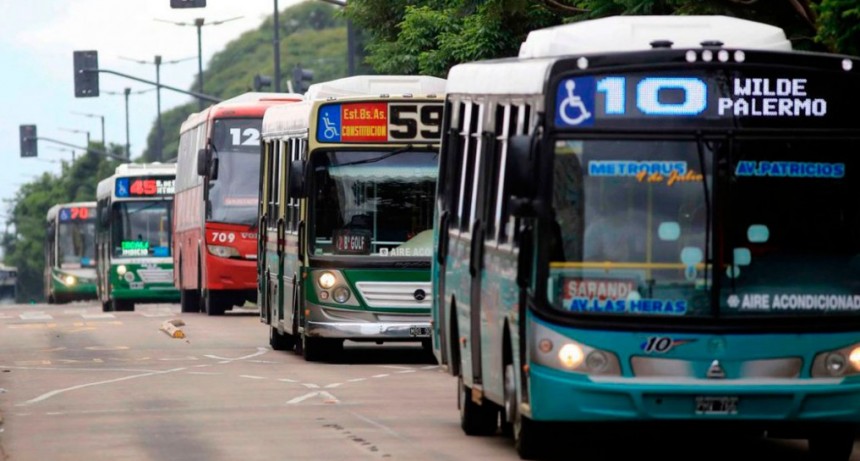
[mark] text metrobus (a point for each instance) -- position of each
(661, 235)
(215, 209)
(133, 237)
(70, 255)
(346, 205)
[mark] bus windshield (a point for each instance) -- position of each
(142, 229)
(630, 227)
(76, 244)
(632, 219)
(235, 193)
(373, 203)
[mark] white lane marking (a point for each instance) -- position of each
(431, 367)
(287, 380)
(311, 385)
(327, 397)
(332, 385)
(55, 392)
(380, 376)
(202, 366)
(35, 316)
(260, 351)
(98, 316)
(396, 367)
(355, 380)
(74, 311)
(173, 359)
(404, 371)
(379, 425)
(206, 373)
(252, 377)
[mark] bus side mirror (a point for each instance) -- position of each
(204, 160)
(297, 179)
(519, 174)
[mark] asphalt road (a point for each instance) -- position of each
(79, 384)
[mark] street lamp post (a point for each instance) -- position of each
(199, 23)
(126, 93)
(72, 130)
(92, 116)
(159, 135)
(350, 38)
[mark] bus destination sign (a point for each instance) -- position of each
(144, 187)
(762, 97)
(77, 213)
(379, 122)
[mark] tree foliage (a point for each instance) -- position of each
(430, 36)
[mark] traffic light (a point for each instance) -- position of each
(261, 81)
(187, 3)
(86, 74)
(300, 76)
(28, 141)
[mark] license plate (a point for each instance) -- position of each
(419, 331)
(716, 405)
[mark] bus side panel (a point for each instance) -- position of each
(271, 272)
(458, 291)
(187, 236)
(290, 279)
(499, 296)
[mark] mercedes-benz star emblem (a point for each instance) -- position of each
(419, 295)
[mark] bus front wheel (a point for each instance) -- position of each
(281, 342)
(835, 445)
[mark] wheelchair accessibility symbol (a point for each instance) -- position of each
(575, 98)
(329, 123)
(330, 132)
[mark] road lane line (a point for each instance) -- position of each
(381, 376)
(404, 371)
(332, 385)
(311, 385)
(98, 316)
(396, 367)
(430, 367)
(56, 392)
(302, 398)
(260, 351)
(287, 380)
(35, 316)
(355, 380)
(206, 373)
(252, 377)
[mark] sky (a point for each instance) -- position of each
(37, 41)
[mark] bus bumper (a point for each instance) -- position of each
(230, 274)
(557, 396)
(344, 324)
(152, 294)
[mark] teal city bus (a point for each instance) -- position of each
(70, 252)
(652, 220)
(133, 238)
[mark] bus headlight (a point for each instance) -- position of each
(555, 350)
(840, 362)
(121, 270)
(326, 280)
(340, 294)
(70, 280)
(222, 251)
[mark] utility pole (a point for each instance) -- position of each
(127, 92)
(277, 43)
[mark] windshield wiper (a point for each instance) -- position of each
(408, 148)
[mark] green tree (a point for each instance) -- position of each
(430, 36)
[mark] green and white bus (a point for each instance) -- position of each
(348, 178)
(133, 238)
(70, 252)
(652, 220)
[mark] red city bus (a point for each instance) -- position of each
(215, 208)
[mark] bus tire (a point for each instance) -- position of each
(189, 300)
(528, 439)
(281, 342)
(107, 306)
(319, 349)
(835, 445)
(476, 419)
(211, 305)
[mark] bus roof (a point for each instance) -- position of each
(526, 74)
(364, 85)
(252, 104)
(636, 33)
(55, 210)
